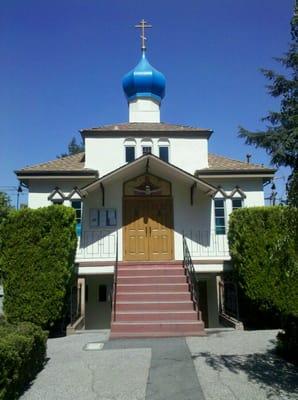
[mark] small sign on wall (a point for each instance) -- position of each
(103, 217)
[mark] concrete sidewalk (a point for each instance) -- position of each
(242, 365)
(224, 365)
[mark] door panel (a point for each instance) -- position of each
(135, 241)
(160, 229)
(148, 229)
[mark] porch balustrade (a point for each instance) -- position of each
(207, 244)
(101, 244)
(97, 244)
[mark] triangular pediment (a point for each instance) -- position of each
(56, 194)
(220, 193)
(237, 192)
(75, 194)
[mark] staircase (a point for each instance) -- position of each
(153, 300)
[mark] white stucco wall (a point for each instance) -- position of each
(189, 154)
(252, 187)
(39, 190)
(195, 221)
(107, 154)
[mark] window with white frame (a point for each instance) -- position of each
(220, 218)
(163, 146)
(77, 206)
(130, 150)
(237, 202)
(146, 146)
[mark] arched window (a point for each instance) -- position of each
(146, 146)
(130, 152)
(163, 147)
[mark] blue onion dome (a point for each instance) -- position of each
(144, 81)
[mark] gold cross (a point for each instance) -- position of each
(142, 25)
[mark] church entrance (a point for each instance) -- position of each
(148, 229)
(147, 220)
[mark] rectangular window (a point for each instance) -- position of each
(236, 203)
(77, 206)
(102, 293)
(219, 210)
(164, 153)
(146, 149)
(129, 153)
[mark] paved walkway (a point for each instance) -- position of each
(172, 374)
(241, 365)
(225, 365)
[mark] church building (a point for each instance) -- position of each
(152, 207)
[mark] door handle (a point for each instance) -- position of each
(146, 230)
(150, 231)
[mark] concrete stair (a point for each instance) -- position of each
(153, 300)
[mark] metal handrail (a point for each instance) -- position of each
(115, 279)
(191, 275)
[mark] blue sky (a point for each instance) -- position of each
(62, 62)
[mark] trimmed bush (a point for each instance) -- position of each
(22, 355)
(263, 244)
(37, 255)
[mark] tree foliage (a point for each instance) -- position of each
(5, 205)
(280, 139)
(22, 355)
(264, 249)
(73, 148)
(263, 245)
(37, 258)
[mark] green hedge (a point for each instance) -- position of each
(263, 244)
(37, 250)
(264, 249)
(22, 355)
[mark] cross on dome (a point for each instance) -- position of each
(144, 86)
(142, 25)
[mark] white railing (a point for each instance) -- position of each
(207, 244)
(101, 244)
(97, 244)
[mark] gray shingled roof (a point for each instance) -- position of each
(75, 164)
(141, 127)
(220, 163)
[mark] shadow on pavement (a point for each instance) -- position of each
(266, 369)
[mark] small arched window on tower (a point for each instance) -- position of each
(130, 150)
(146, 146)
(163, 147)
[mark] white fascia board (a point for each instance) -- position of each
(102, 270)
(212, 268)
(237, 176)
(54, 177)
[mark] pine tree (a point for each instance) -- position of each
(280, 139)
(73, 148)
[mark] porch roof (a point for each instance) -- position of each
(154, 165)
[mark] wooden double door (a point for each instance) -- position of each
(148, 228)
